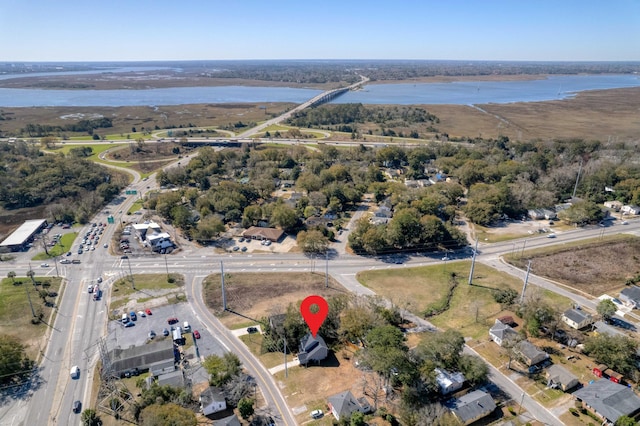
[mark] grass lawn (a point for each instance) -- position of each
(137, 205)
(472, 308)
(489, 235)
(15, 312)
(269, 359)
(63, 246)
(96, 148)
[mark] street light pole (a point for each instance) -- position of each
(166, 265)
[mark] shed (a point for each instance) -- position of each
(598, 370)
(614, 376)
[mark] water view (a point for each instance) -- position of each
(458, 93)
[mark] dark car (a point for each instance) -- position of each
(165, 332)
(252, 330)
(77, 406)
(172, 321)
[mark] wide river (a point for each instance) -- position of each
(457, 93)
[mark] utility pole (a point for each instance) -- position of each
(577, 180)
(523, 246)
(224, 293)
(166, 265)
(326, 270)
(133, 284)
(526, 280)
(473, 263)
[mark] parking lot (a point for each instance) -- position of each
(124, 337)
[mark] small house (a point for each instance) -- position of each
(577, 318)
(263, 233)
(561, 377)
(502, 333)
(630, 296)
(614, 205)
(344, 404)
(448, 382)
(231, 420)
(608, 400)
(312, 349)
(472, 406)
(175, 379)
(630, 209)
(212, 401)
(530, 354)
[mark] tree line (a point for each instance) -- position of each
(40, 130)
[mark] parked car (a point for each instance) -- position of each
(147, 311)
(141, 314)
(65, 261)
(133, 316)
(99, 280)
(173, 320)
(130, 324)
(90, 289)
(152, 334)
(165, 332)
(317, 414)
(252, 330)
(196, 334)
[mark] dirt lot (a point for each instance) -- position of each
(592, 268)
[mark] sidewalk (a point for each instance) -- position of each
(280, 367)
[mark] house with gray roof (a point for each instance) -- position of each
(529, 353)
(312, 349)
(472, 406)
(232, 420)
(344, 404)
(577, 318)
(630, 296)
(175, 379)
(609, 400)
(561, 377)
(501, 333)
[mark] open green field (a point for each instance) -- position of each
(97, 148)
(153, 285)
(16, 313)
(137, 205)
(472, 309)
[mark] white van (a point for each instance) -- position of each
(125, 318)
(75, 372)
(187, 327)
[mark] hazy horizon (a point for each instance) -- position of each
(501, 30)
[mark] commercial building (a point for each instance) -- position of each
(21, 237)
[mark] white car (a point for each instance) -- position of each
(44, 265)
(317, 414)
(551, 236)
(624, 222)
(141, 314)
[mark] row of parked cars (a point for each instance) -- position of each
(128, 319)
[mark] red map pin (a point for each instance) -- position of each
(314, 319)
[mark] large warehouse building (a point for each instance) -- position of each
(22, 236)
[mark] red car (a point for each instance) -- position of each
(172, 321)
(196, 334)
(147, 311)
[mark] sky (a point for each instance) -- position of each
(141, 30)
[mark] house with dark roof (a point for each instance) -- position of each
(529, 354)
(312, 349)
(447, 381)
(344, 404)
(561, 377)
(630, 296)
(141, 357)
(212, 401)
(609, 400)
(577, 318)
(471, 407)
(175, 379)
(502, 333)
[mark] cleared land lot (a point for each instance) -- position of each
(594, 267)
